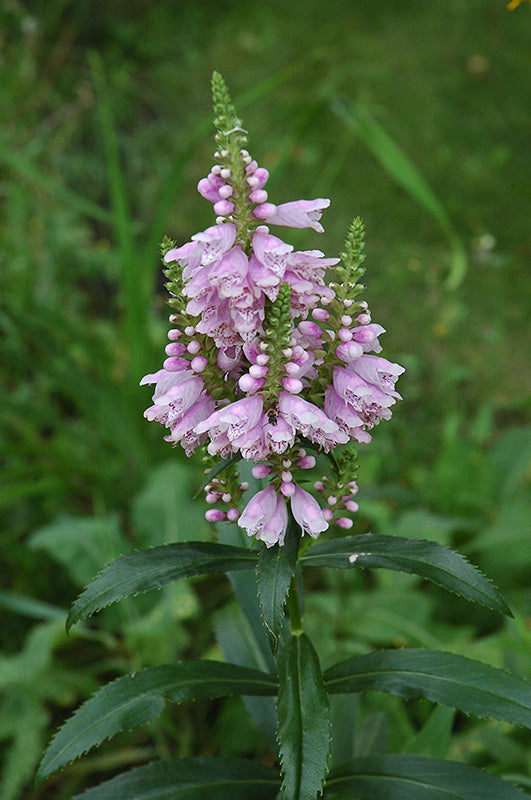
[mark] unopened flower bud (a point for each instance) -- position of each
(327, 514)
(194, 347)
(199, 364)
(260, 471)
(233, 514)
(320, 314)
(227, 497)
(258, 371)
(226, 173)
(308, 328)
(350, 505)
(258, 196)
(175, 349)
(344, 334)
(306, 462)
(344, 522)
(264, 211)
(225, 191)
(288, 489)
(215, 515)
(292, 385)
(223, 208)
(249, 384)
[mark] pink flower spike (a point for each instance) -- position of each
(300, 214)
(308, 513)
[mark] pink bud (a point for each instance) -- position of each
(286, 475)
(308, 328)
(320, 314)
(194, 347)
(226, 497)
(332, 500)
(349, 351)
(199, 364)
(250, 168)
(344, 334)
(189, 330)
(319, 485)
(233, 514)
(344, 522)
(174, 364)
(215, 515)
(264, 211)
(291, 368)
(249, 384)
(288, 489)
(351, 506)
(175, 349)
(292, 385)
(243, 486)
(174, 334)
(258, 196)
(306, 462)
(346, 320)
(223, 208)
(260, 471)
(257, 371)
(327, 514)
(225, 191)
(262, 359)
(212, 497)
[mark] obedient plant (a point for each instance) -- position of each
(274, 375)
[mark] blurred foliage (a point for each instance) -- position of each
(106, 128)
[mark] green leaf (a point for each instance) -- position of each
(133, 700)
(151, 569)
(435, 736)
(416, 556)
(405, 777)
(303, 720)
(459, 682)
(400, 167)
(276, 566)
(190, 779)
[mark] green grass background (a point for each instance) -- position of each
(413, 115)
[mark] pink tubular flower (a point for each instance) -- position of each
(235, 427)
(310, 421)
(266, 517)
(307, 512)
(300, 214)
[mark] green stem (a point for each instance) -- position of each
(294, 608)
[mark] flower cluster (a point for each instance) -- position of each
(265, 360)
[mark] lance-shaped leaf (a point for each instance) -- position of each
(191, 779)
(133, 700)
(303, 720)
(416, 556)
(455, 681)
(151, 569)
(402, 777)
(275, 569)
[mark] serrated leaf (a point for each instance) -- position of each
(415, 556)
(190, 779)
(151, 569)
(455, 681)
(275, 569)
(133, 700)
(303, 720)
(404, 777)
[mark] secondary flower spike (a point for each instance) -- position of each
(266, 358)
